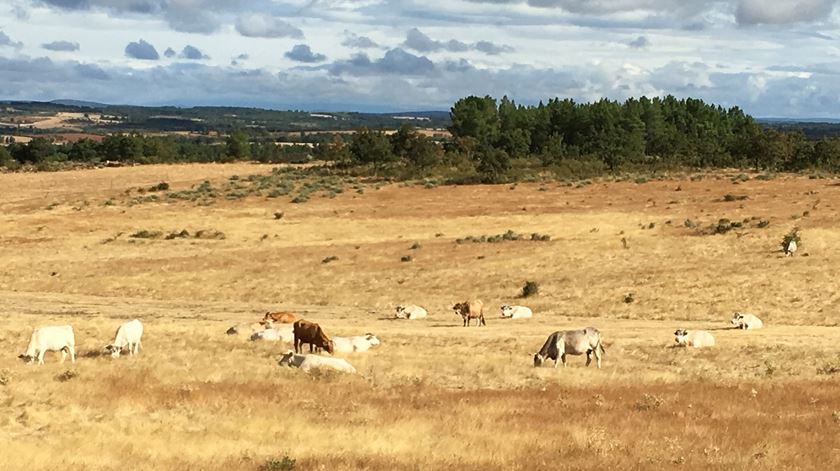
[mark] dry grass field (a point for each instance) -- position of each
(434, 394)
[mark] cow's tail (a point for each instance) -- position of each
(483, 322)
(601, 346)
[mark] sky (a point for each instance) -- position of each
(773, 58)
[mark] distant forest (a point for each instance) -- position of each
(491, 141)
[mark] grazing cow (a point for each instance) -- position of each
(746, 321)
(248, 328)
(308, 362)
(283, 333)
(471, 310)
(516, 312)
(571, 342)
(128, 335)
(359, 343)
(55, 338)
(790, 248)
(694, 338)
(311, 333)
(411, 312)
(280, 317)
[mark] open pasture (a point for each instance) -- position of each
(434, 394)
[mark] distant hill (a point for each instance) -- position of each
(79, 103)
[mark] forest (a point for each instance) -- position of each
(496, 141)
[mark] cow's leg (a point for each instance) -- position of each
(63, 354)
(41, 357)
(556, 359)
(588, 358)
(72, 354)
(563, 359)
(297, 345)
(598, 356)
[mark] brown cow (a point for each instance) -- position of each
(280, 317)
(471, 310)
(311, 333)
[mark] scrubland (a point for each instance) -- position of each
(434, 394)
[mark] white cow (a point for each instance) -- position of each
(790, 249)
(128, 335)
(694, 338)
(746, 321)
(359, 343)
(282, 333)
(55, 338)
(248, 328)
(516, 312)
(411, 312)
(309, 361)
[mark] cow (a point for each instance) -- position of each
(359, 343)
(55, 338)
(516, 312)
(280, 317)
(571, 342)
(128, 335)
(283, 333)
(746, 321)
(248, 328)
(411, 312)
(308, 362)
(471, 310)
(313, 334)
(694, 338)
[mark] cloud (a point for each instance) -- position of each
(358, 42)
(192, 53)
(641, 42)
(394, 62)
(752, 12)
(5, 40)
(141, 50)
(170, 53)
(302, 53)
(65, 46)
(262, 26)
(420, 42)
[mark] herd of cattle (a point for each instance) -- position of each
(287, 327)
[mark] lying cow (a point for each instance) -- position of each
(313, 334)
(359, 343)
(694, 338)
(571, 342)
(471, 310)
(283, 333)
(248, 328)
(280, 317)
(308, 362)
(128, 335)
(411, 312)
(59, 338)
(516, 312)
(746, 321)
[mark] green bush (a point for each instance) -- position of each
(530, 288)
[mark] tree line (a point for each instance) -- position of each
(494, 141)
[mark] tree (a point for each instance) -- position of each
(493, 164)
(370, 147)
(237, 146)
(477, 118)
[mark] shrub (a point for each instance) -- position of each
(530, 288)
(210, 234)
(415, 246)
(829, 368)
(793, 235)
(5, 377)
(178, 235)
(730, 197)
(648, 402)
(144, 234)
(66, 376)
(301, 198)
(763, 223)
(279, 215)
(406, 258)
(329, 259)
(283, 464)
(162, 186)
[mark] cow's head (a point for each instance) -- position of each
(400, 314)
(737, 318)
(26, 358)
(286, 359)
(372, 339)
(538, 360)
(680, 335)
(507, 311)
(330, 347)
(113, 350)
(460, 308)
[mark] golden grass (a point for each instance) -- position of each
(434, 394)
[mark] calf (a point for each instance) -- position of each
(411, 312)
(280, 317)
(311, 333)
(516, 312)
(359, 343)
(54, 338)
(308, 362)
(128, 335)
(276, 334)
(471, 310)
(694, 338)
(746, 321)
